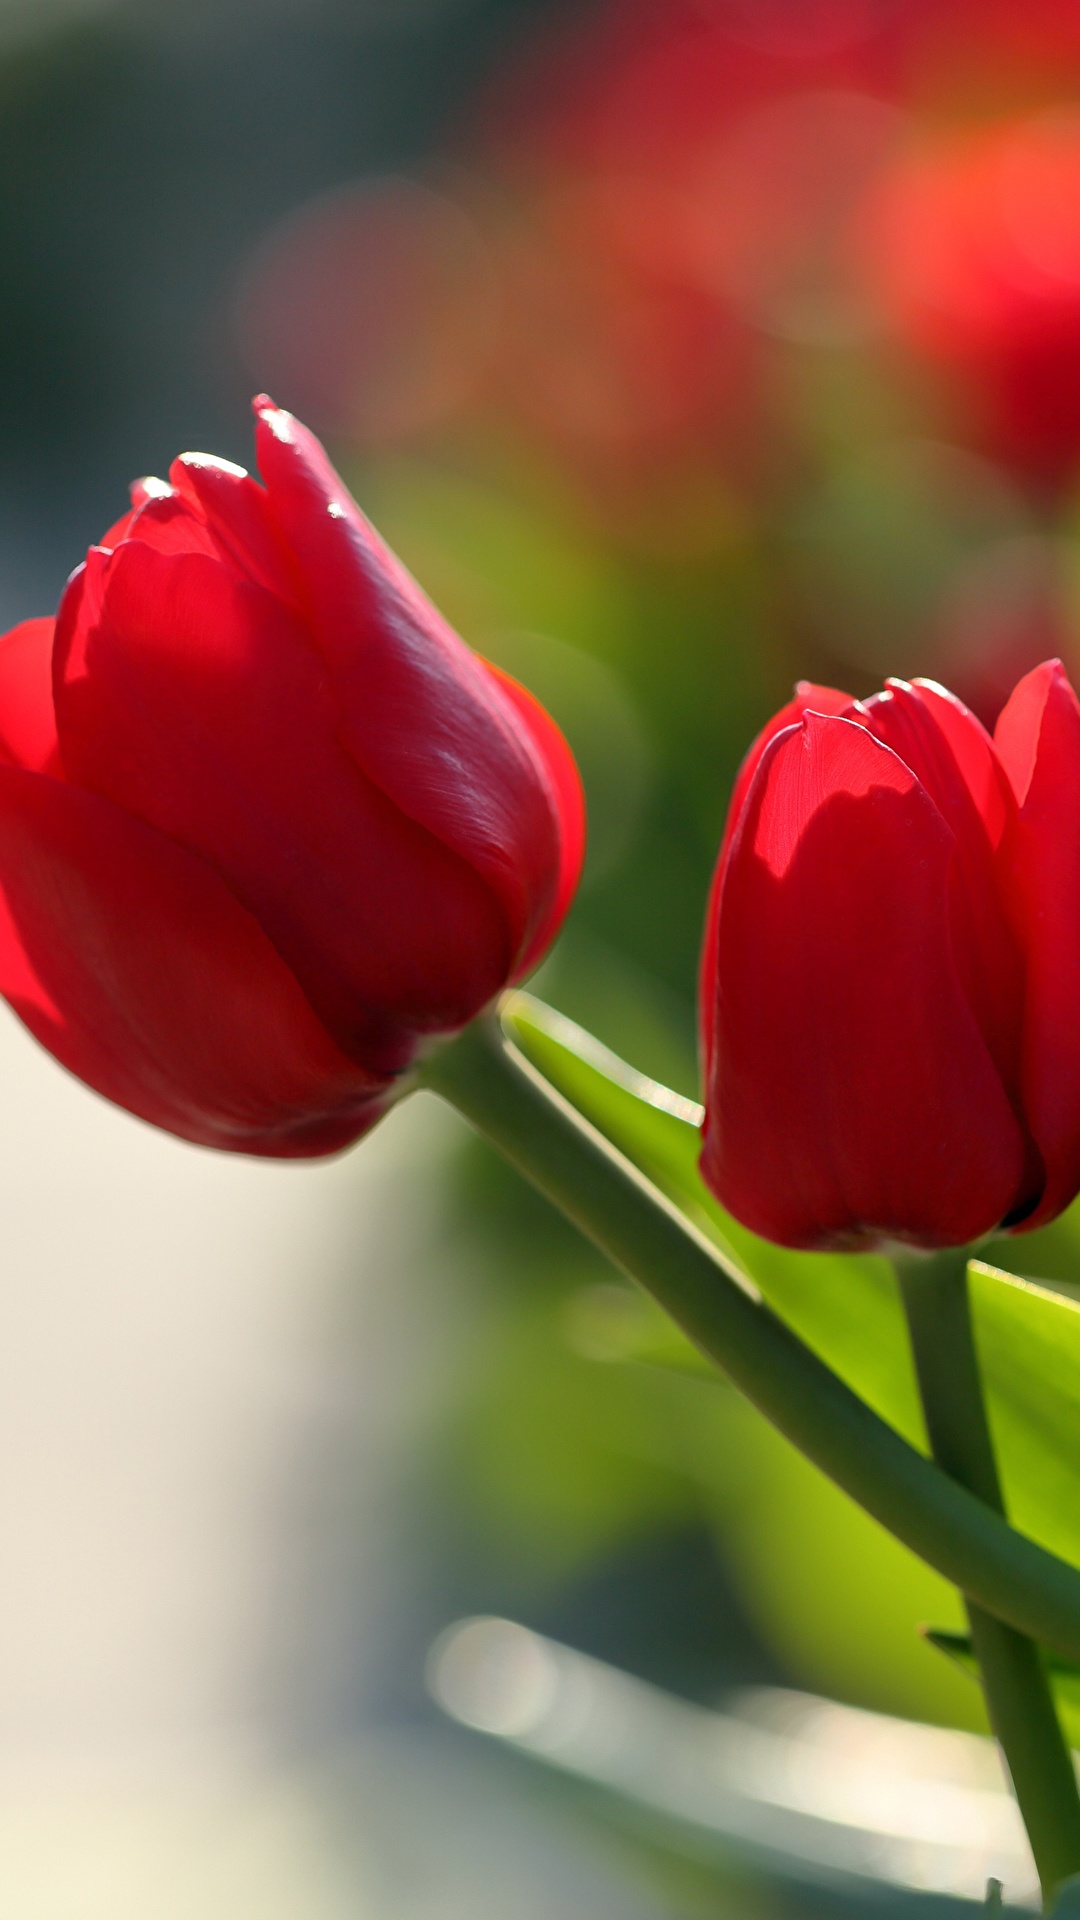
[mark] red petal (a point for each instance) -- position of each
(235, 510)
(952, 755)
(807, 698)
(166, 523)
(27, 716)
(213, 507)
(131, 961)
(974, 752)
(423, 719)
(194, 700)
(1019, 727)
(951, 752)
(141, 491)
(850, 1093)
(561, 769)
(119, 529)
(1038, 740)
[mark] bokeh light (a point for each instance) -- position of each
(375, 309)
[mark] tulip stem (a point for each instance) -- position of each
(489, 1081)
(1015, 1684)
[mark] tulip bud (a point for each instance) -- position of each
(267, 827)
(891, 971)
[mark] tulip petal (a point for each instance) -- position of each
(141, 492)
(808, 698)
(235, 511)
(1038, 741)
(193, 699)
(974, 753)
(952, 755)
(165, 522)
(133, 964)
(951, 752)
(851, 1095)
(563, 773)
(208, 506)
(423, 719)
(27, 715)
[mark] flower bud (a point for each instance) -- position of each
(892, 970)
(267, 827)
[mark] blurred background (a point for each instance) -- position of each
(682, 348)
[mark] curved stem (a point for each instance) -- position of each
(485, 1077)
(1018, 1696)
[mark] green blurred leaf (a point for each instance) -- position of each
(555, 1463)
(493, 561)
(875, 545)
(955, 1646)
(1067, 1904)
(1064, 1676)
(606, 1321)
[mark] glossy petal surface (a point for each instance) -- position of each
(1038, 740)
(132, 962)
(808, 698)
(191, 695)
(952, 756)
(27, 718)
(851, 1092)
(266, 824)
(424, 721)
(561, 769)
(236, 513)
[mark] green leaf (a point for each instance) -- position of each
(1028, 1338)
(955, 1646)
(1064, 1675)
(845, 1306)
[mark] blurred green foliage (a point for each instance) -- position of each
(660, 603)
(565, 1448)
(557, 1459)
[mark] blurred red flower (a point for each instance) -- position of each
(267, 826)
(973, 251)
(892, 970)
(689, 174)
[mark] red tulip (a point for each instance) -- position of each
(973, 250)
(267, 827)
(891, 979)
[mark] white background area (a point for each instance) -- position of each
(211, 1370)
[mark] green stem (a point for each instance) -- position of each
(485, 1077)
(1018, 1696)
